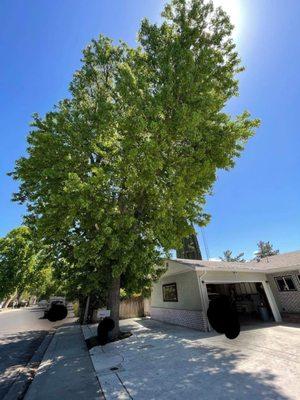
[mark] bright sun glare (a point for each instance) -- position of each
(234, 10)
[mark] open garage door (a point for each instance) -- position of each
(250, 291)
(248, 298)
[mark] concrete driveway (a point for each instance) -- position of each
(162, 361)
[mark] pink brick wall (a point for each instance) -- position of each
(190, 319)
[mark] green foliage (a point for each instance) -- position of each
(43, 283)
(227, 256)
(116, 174)
(22, 265)
(265, 249)
(17, 260)
(123, 294)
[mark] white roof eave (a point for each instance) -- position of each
(214, 269)
(249, 267)
(260, 270)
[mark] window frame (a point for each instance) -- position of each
(286, 285)
(175, 300)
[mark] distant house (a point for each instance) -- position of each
(269, 289)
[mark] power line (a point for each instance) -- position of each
(205, 243)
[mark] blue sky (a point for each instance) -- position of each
(41, 43)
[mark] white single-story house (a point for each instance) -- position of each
(268, 289)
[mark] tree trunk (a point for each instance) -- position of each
(9, 300)
(18, 297)
(87, 304)
(113, 304)
(82, 302)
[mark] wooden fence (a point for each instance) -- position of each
(134, 307)
(130, 308)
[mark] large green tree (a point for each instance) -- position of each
(24, 266)
(17, 262)
(121, 168)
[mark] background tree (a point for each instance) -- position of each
(43, 282)
(17, 261)
(227, 256)
(121, 169)
(190, 248)
(265, 249)
(23, 266)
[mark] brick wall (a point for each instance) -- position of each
(190, 319)
(287, 301)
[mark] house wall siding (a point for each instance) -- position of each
(187, 311)
(187, 292)
(287, 301)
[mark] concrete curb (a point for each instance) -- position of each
(87, 332)
(104, 364)
(26, 374)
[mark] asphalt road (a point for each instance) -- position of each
(21, 333)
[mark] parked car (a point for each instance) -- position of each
(54, 300)
(43, 303)
(57, 300)
(56, 309)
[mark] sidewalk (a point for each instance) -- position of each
(66, 371)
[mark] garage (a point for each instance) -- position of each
(182, 294)
(248, 290)
(248, 299)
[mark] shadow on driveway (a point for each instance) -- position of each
(163, 361)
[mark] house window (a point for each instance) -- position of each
(285, 283)
(170, 292)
